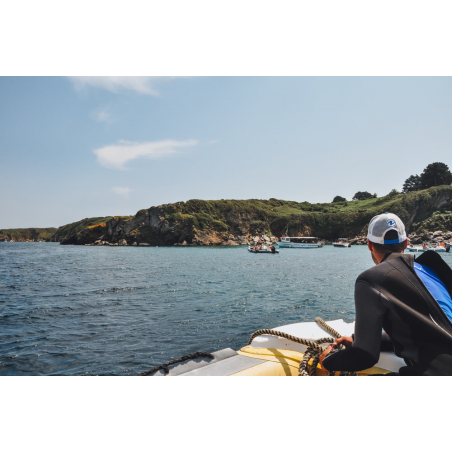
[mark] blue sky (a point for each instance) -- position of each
(72, 148)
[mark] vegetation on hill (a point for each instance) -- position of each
(220, 222)
(93, 227)
(434, 175)
(328, 220)
(78, 226)
(26, 234)
(439, 221)
(361, 195)
(231, 221)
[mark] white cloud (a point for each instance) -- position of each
(123, 191)
(115, 156)
(143, 85)
(102, 115)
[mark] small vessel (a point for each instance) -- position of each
(269, 355)
(342, 243)
(299, 242)
(440, 249)
(263, 249)
(415, 249)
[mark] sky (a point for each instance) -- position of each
(73, 148)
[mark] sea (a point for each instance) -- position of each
(86, 310)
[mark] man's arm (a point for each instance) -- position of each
(365, 350)
(386, 344)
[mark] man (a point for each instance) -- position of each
(410, 299)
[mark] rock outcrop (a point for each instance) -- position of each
(430, 238)
(236, 222)
(27, 234)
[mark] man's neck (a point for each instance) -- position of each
(382, 257)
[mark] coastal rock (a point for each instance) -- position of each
(144, 244)
(199, 222)
(122, 242)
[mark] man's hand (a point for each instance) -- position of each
(346, 341)
(323, 355)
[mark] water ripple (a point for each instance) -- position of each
(68, 310)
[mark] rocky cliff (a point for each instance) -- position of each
(27, 234)
(232, 222)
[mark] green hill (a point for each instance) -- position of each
(201, 222)
(27, 234)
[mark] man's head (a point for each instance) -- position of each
(386, 234)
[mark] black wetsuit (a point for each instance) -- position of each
(392, 297)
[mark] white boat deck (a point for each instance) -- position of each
(300, 242)
(311, 330)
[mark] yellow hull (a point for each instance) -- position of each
(284, 363)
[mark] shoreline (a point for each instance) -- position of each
(429, 238)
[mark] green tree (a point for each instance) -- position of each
(435, 174)
(360, 195)
(393, 193)
(339, 199)
(413, 183)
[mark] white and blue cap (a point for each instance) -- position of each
(383, 223)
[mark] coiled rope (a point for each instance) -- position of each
(165, 366)
(314, 349)
(327, 328)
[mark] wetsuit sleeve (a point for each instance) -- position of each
(386, 344)
(365, 351)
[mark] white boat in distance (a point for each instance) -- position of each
(438, 249)
(415, 249)
(299, 242)
(263, 249)
(342, 243)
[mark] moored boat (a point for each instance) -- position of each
(415, 249)
(342, 243)
(263, 249)
(440, 249)
(299, 242)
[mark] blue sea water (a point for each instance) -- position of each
(79, 310)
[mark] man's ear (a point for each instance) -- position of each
(406, 243)
(369, 245)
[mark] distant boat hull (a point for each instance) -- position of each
(267, 250)
(414, 249)
(299, 245)
(342, 245)
(438, 249)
